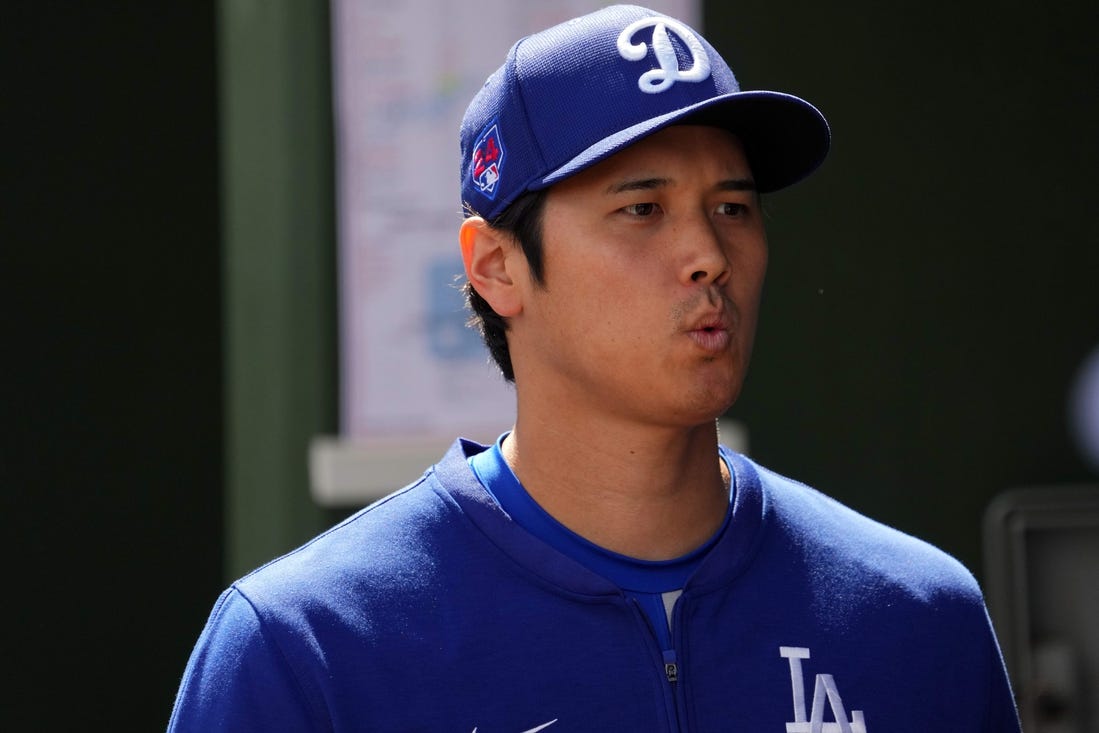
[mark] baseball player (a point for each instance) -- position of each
(607, 565)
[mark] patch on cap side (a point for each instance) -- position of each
(487, 161)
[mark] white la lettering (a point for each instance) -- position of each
(824, 688)
(657, 80)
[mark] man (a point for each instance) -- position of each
(607, 565)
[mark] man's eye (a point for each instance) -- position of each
(731, 209)
(647, 209)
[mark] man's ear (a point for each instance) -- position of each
(492, 261)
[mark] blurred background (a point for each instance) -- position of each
(168, 247)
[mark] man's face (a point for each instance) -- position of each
(654, 263)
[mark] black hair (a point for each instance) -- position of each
(522, 220)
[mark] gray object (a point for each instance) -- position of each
(1042, 566)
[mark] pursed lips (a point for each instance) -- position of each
(712, 322)
(713, 333)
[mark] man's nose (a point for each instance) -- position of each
(705, 259)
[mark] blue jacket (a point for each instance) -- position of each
(432, 611)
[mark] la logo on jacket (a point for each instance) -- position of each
(824, 689)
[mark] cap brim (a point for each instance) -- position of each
(784, 137)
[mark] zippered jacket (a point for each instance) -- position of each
(431, 610)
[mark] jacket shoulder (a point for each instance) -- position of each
(839, 540)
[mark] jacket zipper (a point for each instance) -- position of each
(671, 670)
(671, 667)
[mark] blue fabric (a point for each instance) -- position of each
(644, 581)
(433, 610)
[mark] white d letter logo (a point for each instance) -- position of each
(657, 80)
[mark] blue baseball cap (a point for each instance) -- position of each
(578, 92)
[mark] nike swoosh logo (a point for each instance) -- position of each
(534, 730)
(541, 727)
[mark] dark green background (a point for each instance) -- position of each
(934, 288)
(167, 250)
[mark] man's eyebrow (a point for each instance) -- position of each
(737, 184)
(637, 184)
(649, 184)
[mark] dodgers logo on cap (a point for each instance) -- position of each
(657, 80)
(487, 163)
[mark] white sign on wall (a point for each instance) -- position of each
(413, 376)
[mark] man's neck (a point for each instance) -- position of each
(644, 492)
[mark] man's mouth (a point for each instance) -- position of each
(712, 337)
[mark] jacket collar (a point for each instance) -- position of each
(453, 478)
